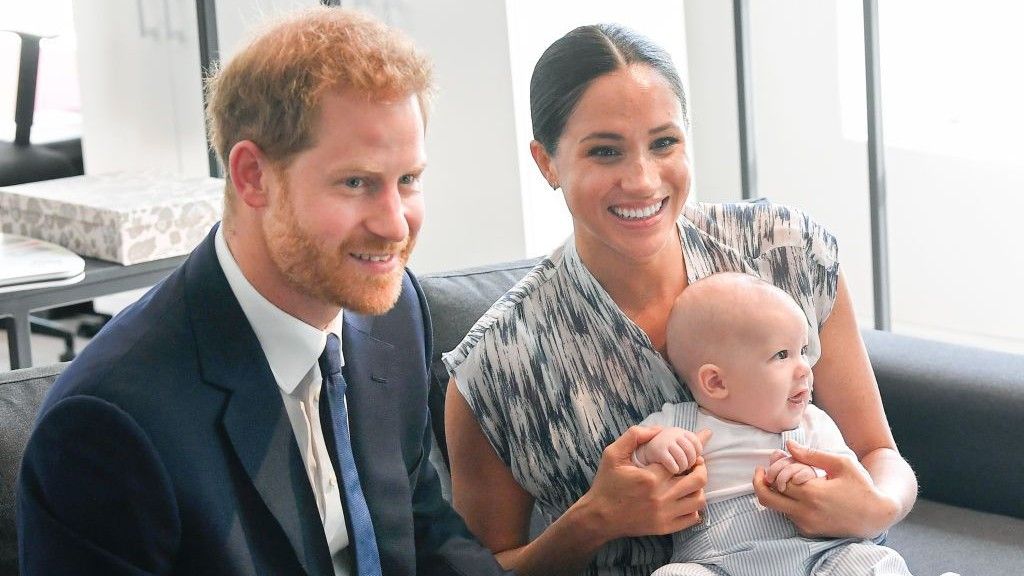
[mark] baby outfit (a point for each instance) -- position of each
(740, 537)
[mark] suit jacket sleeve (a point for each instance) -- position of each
(93, 497)
(444, 545)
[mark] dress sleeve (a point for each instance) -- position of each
(822, 254)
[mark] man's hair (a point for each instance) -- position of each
(271, 91)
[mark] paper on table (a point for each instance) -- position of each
(27, 263)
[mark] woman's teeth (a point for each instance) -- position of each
(638, 213)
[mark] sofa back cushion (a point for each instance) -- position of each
(456, 300)
(955, 412)
(21, 394)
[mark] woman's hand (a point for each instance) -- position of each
(625, 500)
(845, 503)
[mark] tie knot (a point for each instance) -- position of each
(330, 359)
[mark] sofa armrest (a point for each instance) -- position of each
(956, 414)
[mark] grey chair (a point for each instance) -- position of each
(21, 393)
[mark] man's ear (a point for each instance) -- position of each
(249, 170)
(543, 160)
(711, 382)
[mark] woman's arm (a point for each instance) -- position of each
(847, 503)
(623, 500)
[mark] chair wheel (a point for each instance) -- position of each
(67, 356)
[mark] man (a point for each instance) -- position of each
(208, 429)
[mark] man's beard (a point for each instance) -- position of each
(329, 274)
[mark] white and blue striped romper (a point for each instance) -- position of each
(555, 371)
(739, 537)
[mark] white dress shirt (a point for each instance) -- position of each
(292, 348)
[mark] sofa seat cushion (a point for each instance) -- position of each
(937, 538)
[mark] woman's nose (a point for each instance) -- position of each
(641, 175)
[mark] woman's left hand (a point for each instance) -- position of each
(845, 503)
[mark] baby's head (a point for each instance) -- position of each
(740, 345)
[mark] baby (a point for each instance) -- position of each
(740, 344)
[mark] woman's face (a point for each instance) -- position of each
(622, 166)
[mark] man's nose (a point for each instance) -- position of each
(388, 220)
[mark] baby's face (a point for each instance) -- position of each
(768, 375)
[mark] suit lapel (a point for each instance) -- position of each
(375, 431)
(255, 420)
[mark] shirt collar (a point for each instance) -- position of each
(291, 346)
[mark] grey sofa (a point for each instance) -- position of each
(957, 414)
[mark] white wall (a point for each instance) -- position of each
(474, 208)
(486, 201)
(955, 265)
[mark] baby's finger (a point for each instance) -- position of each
(773, 471)
(783, 478)
(689, 450)
(679, 457)
(666, 459)
(803, 475)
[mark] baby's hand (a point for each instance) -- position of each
(674, 448)
(784, 469)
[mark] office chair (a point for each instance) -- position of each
(22, 162)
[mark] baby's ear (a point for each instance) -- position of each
(709, 378)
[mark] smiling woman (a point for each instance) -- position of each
(550, 383)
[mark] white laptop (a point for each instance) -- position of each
(27, 263)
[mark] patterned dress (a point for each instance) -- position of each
(555, 371)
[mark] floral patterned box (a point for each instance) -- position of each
(120, 217)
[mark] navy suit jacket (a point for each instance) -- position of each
(165, 447)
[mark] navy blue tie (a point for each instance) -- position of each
(362, 536)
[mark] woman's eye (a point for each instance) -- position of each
(663, 143)
(603, 152)
(781, 354)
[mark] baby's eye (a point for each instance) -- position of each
(781, 355)
(803, 351)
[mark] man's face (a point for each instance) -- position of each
(344, 214)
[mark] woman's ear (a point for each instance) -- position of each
(711, 382)
(249, 169)
(544, 163)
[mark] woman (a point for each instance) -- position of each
(547, 386)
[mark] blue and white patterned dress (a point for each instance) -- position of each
(555, 371)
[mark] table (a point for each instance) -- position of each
(101, 279)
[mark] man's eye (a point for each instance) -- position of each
(408, 179)
(782, 354)
(354, 182)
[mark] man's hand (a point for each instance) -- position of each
(674, 448)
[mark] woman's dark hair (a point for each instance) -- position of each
(568, 66)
